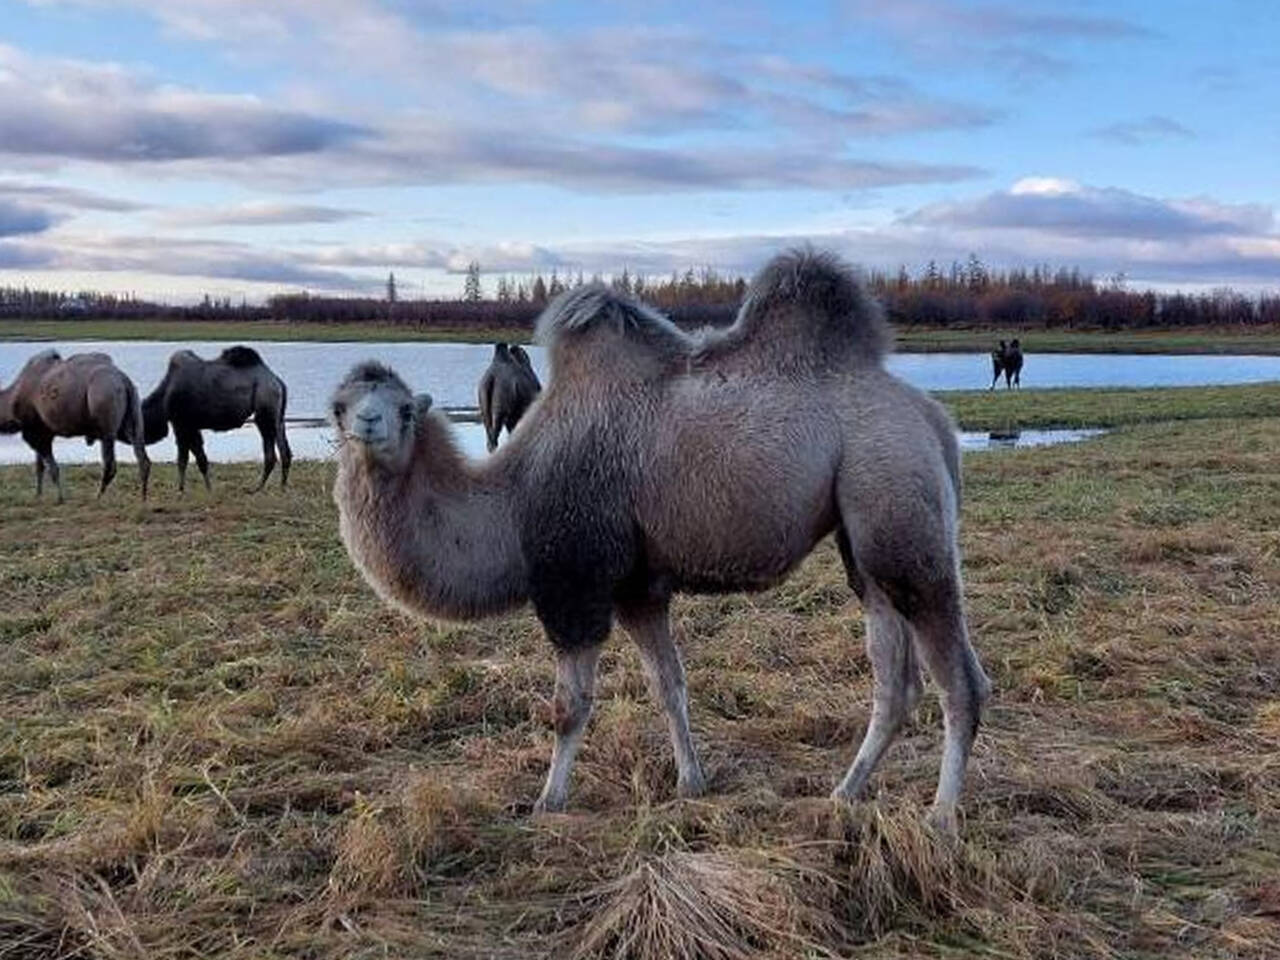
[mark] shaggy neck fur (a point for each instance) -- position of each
(439, 537)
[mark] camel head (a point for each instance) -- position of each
(376, 414)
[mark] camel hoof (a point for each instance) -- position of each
(944, 823)
(692, 786)
(546, 804)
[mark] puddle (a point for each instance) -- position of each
(1016, 439)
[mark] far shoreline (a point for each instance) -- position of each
(1263, 340)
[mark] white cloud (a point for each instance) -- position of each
(67, 109)
(1154, 128)
(257, 214)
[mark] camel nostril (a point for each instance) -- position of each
(369, 417)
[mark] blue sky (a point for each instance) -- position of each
(240, 147)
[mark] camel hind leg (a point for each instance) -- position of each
(286, 455)
(267, 428)
(897, 688)
(108, 464)
(942, 642)
(907, 574)
(197, 449)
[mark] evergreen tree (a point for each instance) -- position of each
(471, 291)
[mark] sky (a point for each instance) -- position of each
(240, 148)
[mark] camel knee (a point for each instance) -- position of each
(570, 711)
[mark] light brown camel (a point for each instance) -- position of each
(507, 389)
(85, 395)
(659, 461)
(219, 394)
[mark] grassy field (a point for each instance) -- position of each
(215, 741)
(910, 339)
(1044, 409)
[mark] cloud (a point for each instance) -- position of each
(502, 257)
(15, 256)
(430, 153)
(170, 256)
(68, 197)
(1022, 40)
(1068, 209)
(258, 214)
(17, 219)
(102, 112)
(929, 18)
(1150, 129)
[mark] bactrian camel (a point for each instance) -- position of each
(220, 394)
(659, 461)
(1007, 360)
(507, 388)
(85, 395)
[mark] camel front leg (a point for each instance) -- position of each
(55, 475)
(649, 627)
(572, 706)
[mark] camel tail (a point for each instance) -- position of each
(816, 292)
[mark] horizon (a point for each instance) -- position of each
(235, 151)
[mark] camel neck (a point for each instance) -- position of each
(438, 539)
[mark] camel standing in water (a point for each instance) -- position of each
(507, 389)
(221, 394)
(659, 461)
(85, 395)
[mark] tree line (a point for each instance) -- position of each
(961, 294)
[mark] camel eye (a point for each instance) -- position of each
(406, 412)
(339, 409)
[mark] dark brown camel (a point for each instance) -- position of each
(1007, 360)
(507, 389)
(221, 394)
(85, 395)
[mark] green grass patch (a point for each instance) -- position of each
(1046, 409)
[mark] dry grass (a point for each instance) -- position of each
(214, 741)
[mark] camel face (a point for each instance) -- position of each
(374, 411)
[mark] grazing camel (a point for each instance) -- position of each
(997, 364)
(659, 461)
(221, 394)
(507, 389)
(1007, 360)
(85, 395)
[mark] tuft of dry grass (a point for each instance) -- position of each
(714, 905)
(216, 742)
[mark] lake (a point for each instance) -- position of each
(450, 372)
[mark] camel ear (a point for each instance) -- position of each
(422, 403)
